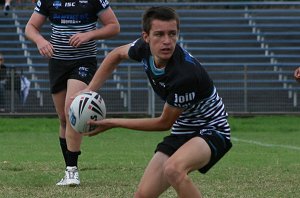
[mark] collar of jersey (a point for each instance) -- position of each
(156, 71)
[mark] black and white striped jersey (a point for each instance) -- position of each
(184, 83)
(68, 18)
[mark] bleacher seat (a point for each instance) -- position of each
(249, 49)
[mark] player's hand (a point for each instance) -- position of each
(297, 74)
(45, 48)
(77, 39)
(101, 126)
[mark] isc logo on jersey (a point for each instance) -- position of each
(69, 4)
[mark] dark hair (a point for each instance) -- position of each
(161, 13)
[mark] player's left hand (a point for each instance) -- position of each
(77, 39)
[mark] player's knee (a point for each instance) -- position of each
(62, 119)
(173, 173)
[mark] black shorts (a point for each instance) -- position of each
(62, 70)
(218, 144)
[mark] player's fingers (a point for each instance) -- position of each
(91, 133)
(93, 122)
(297, 73)
(72, 40)
(75, 41)
(47, 51)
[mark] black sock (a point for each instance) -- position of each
(72, 158)
(63, 146)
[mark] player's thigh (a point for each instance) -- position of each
(192, 155)
(153, 181)
(59, 103)
(74, 86)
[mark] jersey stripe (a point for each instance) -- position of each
(208, 114)
(60, 41)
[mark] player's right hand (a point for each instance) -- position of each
(297, 74)
(45, 48)
(101, 126)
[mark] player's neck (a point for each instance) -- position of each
(160, 64)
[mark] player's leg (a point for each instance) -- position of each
(58, 84)
(193, 155)
(78, 74)
(6, 7)
(153, 182)
(59, 104)
(2, 98)
(73, 138)
(78, 79)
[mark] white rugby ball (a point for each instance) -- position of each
(84, 107)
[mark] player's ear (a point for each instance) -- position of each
(145, 37)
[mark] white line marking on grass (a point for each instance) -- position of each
(265, 144)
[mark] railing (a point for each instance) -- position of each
(249, 48)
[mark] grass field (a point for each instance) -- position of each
(263, 163)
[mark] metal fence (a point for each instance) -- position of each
(250, 49)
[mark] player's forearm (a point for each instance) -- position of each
(105, 70)
(32, 33)
(141, 124)
(105, 32)
(100, 77)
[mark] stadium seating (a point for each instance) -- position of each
(249, 49)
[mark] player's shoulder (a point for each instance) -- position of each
(184, 68)
(184, 56)
(139, 49)
(138, 43)
(45, 4)
(50, 2)
(182, 61)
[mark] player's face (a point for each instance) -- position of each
(162, 40)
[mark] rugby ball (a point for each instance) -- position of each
(84, 107)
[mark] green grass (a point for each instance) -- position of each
(264, 161)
